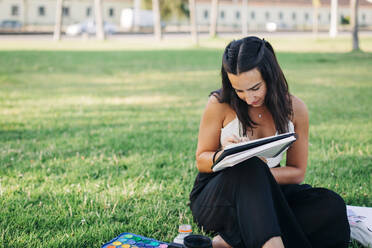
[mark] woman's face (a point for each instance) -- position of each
(250, 87)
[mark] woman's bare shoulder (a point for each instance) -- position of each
(300, 112)
(216, 112)
(215, 105)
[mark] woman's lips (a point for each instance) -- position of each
(255, 103)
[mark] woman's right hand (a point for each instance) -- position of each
(232, 140)
(229, 141)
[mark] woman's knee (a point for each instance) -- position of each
(333, 210)
(334, 218)
(251, 167)
(334, 202)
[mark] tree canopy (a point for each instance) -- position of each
(170, 8)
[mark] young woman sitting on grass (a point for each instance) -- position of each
(259, 203)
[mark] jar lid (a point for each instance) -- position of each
(197, 241)
(185, 228)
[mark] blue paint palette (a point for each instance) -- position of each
(130, 240)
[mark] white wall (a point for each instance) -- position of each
(77, 9)
(260, 20)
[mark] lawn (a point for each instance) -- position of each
(96, 143)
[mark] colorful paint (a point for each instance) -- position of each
(130, 240)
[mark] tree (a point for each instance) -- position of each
(169, 8)
(245, 17)
(316, 5)
(194, 31)
(157, 24)
(24, 15)
(100, 34)
(354, 23)
(137, 7)
(214, 16)
(58, 24)
(333, 26)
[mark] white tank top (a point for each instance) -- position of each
(235, 128)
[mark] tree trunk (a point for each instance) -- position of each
(136, 17)
(157, 23)
(58, 24)
(244, 17)
(316, 5)
(333, 27)
(194, 31)
(24, 14)
(354, 24)
(214, 16)
(100, 34)
(315, 21)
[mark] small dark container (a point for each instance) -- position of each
(197, 241)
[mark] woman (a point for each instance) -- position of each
(258, 203)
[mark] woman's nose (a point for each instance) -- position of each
(248, 96)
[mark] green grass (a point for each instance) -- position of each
(281, 42)
(98, 143)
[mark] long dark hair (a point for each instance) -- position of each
(244, 55)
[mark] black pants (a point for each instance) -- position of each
(247, 207)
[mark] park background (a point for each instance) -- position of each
(99, 137)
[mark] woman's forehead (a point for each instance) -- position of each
(245, 79)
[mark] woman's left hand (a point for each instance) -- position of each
(263, 159)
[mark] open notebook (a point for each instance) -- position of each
(268, 147)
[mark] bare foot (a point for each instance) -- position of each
(218, 242)
(274, 242)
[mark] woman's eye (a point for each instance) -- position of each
(255, 89)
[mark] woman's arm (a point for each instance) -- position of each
(294, 171)
(209, 134)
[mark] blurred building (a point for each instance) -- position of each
(40, 14)
(284, 14)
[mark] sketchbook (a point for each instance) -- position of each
(267, 147)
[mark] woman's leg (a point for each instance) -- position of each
(213, 209)
(321, 214)
(275, 242)
(246, 206)
(219, 242)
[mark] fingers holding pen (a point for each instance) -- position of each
(230, 140)
(233, 139)
(239, 139)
